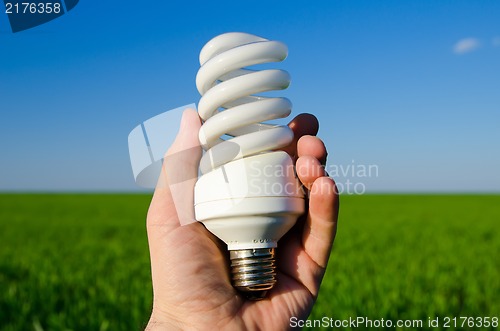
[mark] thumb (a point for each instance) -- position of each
(186, 146)
(173, 199)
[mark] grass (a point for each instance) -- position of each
(74, 262)
(80, 262)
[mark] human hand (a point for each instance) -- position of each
(191, 284)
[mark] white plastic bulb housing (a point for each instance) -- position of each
(248, 194)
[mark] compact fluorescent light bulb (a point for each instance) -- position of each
(247, 194)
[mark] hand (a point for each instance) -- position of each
(191, 285)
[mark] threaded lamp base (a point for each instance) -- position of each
(253, 271)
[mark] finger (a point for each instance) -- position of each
(308, 170)
(312, 158)
(301, 125)
(312, 146)
(172, 202)
(321, 223)
(304, 255)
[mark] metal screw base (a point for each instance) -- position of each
(253, 271)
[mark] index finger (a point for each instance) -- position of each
(302, 125)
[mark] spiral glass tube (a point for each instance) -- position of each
(230, 107)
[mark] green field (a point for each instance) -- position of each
(80, 262)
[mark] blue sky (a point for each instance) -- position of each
(410, 86)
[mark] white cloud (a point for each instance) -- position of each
(496, 41)
(466, 45)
